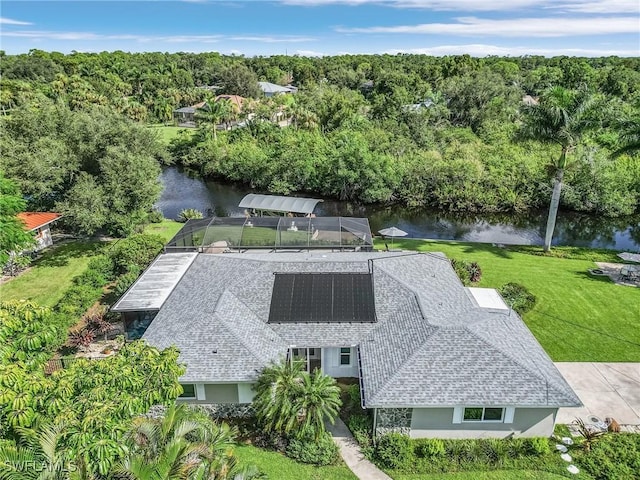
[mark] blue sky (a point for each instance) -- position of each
(326, 27)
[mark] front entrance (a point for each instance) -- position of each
(312, 357)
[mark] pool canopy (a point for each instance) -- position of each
(275, 203)
(217, 234)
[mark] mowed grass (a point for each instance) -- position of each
(494, 475)
(51, 274)
(166, 133)
(279, 467)
(167, 229)
(578, 317)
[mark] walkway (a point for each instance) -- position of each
(605, 389)
(351, 454)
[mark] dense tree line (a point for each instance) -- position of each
(424, 131)
(99, 169)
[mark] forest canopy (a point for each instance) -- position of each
(423, 131)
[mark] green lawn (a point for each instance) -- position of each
(494, 475)
(279, 467)
(578, 317)
(166, 133)
(167, 229)
(51, 274)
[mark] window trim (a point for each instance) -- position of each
(195, 392)
(482, 420)
(342, 354)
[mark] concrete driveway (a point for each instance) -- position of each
(606, 390)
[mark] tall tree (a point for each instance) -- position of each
(561, 118)
(13, 236)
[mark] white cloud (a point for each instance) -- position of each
(309, 53)
(10, 21)
(483, 50)
(585, 6)
(89, 36)
(518, 27)
(271, 39)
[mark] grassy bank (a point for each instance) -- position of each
(51, 274)
(167, 229)
(578, 317)
(279, 467)
(166, 133)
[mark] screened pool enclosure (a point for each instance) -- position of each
(221, 234)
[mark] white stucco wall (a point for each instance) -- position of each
(439, 423)
(331, 363)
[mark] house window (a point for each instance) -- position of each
(345, 356)
(188, 391)
(480, 414)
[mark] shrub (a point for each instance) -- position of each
(155, 216)
(78, 299)
(394, 450)
(16, 264)
(189, 214)
(614, 456)
(468, 273)
(321, 451)
(537, 446)
(350, 398)
(93, 278)
(518, 297)
(124, 282)
(82, 338)
(137, 250)
(429, 447)
(103, 265)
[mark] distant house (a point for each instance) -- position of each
(39, 222)
(433, 357)
(270, 89)
(186, 116)
(236, 101)
(530, 101)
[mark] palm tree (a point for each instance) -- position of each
(561, 118)
(42, 448)
(629, 137)
(176, 446)
(319, 400)
(213, 112)
(276, 389)
(290, 401)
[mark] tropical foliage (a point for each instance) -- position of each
(293, 402)
(13, 236)
(95, 400)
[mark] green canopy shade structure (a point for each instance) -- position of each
(220, 234)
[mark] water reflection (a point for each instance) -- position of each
(184, 191)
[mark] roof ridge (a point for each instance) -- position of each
(415, 352)
(548, 381)
(231, 326)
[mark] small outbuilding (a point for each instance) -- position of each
(39, 223)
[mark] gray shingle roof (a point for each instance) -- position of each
(432, 344)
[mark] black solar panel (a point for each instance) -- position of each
(322, 297)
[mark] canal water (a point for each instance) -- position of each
(215, 198)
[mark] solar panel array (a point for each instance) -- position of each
(322, 297)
